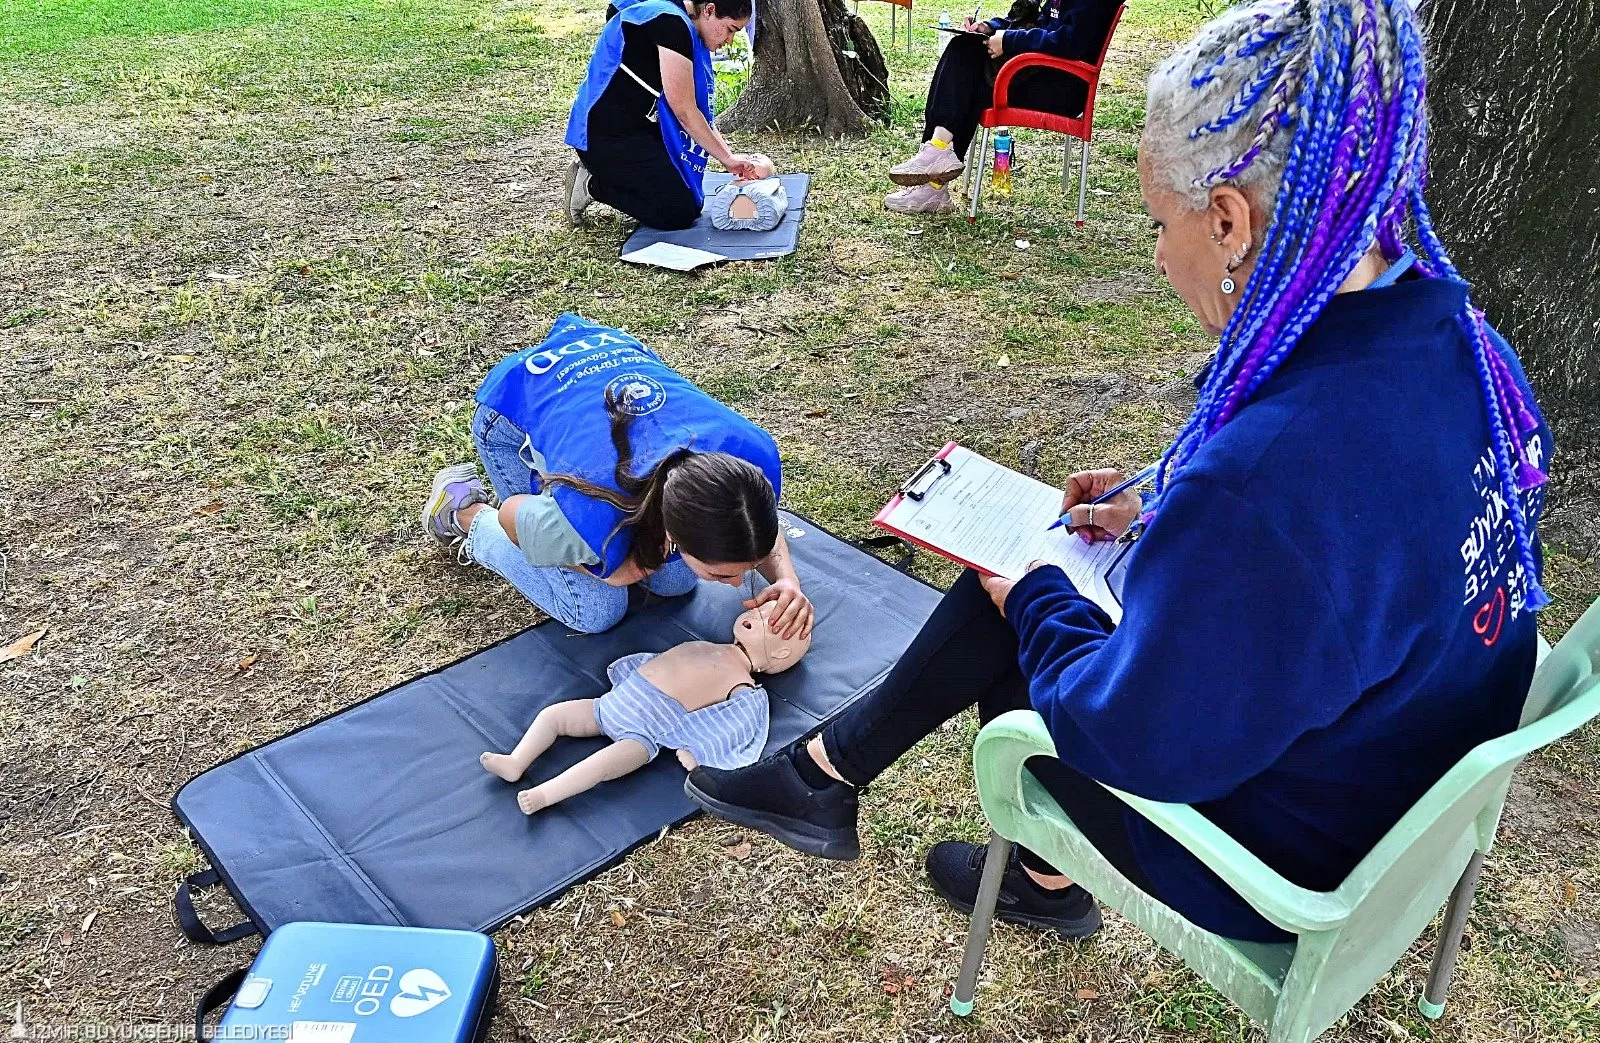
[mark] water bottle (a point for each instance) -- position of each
(1000, 183)
(944, 23)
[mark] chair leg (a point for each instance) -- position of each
(1083, 181)
(1449, 944)
(994, 870)
(977, 195)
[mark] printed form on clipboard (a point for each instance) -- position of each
(990, 518)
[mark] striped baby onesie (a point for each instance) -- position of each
(729, 734)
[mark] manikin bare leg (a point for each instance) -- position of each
(573, 719)
(613, 762)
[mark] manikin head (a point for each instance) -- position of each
(769, 653)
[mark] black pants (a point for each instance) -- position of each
(963, 86)
(634, 174)
(965, 655)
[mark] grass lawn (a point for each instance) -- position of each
(255, 256)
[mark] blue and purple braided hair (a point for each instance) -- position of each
(1320, 103)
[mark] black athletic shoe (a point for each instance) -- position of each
(771, 796)
(955, 868)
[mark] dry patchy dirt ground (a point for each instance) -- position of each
(250, 275)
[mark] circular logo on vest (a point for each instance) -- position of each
(637, 394)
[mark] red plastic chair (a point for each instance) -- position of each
(1004, 115)
(892, 13)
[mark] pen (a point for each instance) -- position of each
(1138, 479)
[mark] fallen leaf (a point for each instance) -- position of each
(1087, 994)
(88, 921)
(1004, 361)
(1011, 276)
(891, 987)
(21, 646)
(618, 919)
(1023, 244)
(814, 413)
(206, 510)
(1570, 891)
(246, 663)
(741, 850)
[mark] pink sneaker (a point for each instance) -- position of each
(931, 163)
(920, 199)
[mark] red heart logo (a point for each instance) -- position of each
(1493, 612)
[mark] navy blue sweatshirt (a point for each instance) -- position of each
(1322, 618)
(1067, 29)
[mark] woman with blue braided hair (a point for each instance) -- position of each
(1333, 596)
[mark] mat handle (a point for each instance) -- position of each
(215, 997)
(189, 920)
(908, 550)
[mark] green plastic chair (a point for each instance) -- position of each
(1348, 938)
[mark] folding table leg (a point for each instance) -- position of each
(1083, 181)
(977, 195)
(1449, 944)
(994, 870)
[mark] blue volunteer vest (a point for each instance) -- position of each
(555, 393)
(686, 155)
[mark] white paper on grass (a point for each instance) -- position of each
(670, 255)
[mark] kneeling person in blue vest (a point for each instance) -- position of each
(642, 121)
(609, 469)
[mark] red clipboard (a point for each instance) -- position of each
(910, 489)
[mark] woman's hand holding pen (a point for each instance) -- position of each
(982, 28)
(1100, 521)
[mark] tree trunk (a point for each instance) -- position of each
(804, 77)
(1514, 90)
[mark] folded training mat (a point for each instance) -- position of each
(731, 245)
(381, 814)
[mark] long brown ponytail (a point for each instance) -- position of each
(720, 509)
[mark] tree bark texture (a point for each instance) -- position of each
(803, 79)
(1514, 93)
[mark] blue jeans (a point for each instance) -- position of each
(573, 596)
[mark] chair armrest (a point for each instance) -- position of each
(1001, 754)
(1089, 74)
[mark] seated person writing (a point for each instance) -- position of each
(963, 86)
(1333, 597)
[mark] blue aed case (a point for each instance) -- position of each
(357, 983)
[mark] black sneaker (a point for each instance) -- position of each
(955, 868)
(771, 796)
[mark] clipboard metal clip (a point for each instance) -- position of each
(921, 483)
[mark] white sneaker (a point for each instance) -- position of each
(578, 197)
(919, 199)
(931, 164)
